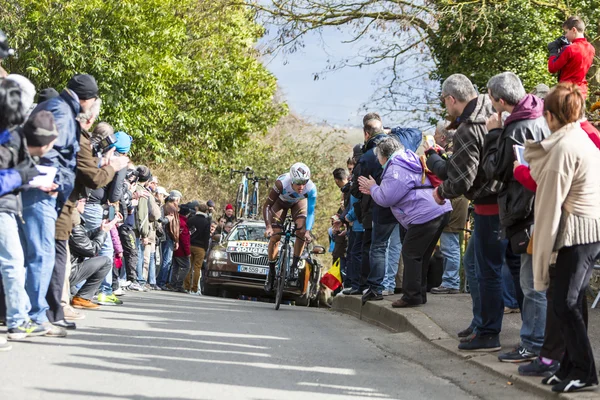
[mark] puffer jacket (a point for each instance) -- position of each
(65, 109)
(514, 201)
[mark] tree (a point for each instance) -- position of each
(181, 77)
(421, 42)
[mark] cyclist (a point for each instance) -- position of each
(297, 192)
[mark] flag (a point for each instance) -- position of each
(333, 278)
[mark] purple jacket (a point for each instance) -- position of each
(114, 235)
(401, 175)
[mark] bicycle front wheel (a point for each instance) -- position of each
(283, 266)
(239, 202)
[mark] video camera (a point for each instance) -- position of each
(132, 175)
(101, 146)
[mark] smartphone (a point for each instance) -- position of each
(519, 154)
(108, 212)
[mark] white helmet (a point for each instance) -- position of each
(300, 174)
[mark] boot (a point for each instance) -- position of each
(270, 277)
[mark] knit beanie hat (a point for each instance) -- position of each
(228, 207)
(123, 143)
(84, 86)
(175, 194)
(47, 94)
(40, 129)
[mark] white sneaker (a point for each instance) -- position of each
(387, 292)
(123, 283)
(119, 292)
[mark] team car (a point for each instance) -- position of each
(238, 264)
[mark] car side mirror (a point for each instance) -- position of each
(217, 238)
(318, 250)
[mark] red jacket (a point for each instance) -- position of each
(184, 238)
(522, 173)
(573, 63)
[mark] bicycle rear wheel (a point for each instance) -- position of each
(283, 264)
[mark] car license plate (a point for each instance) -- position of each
(252, 270)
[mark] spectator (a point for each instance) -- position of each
(405, 188)
(199, 227)
(5, 52)
(572, 58)
(229, 214)
(86, 265)
(17, 169)
(181, 256)
(227, 228)
(171, 241)
(221, 225)
(211, 209)
(350, 164)
(175, 196)
(40, 209)
(567, 221)
(340, 176)
(450, 238)
(464, 177)
(525, 122)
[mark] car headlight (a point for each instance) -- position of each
(219, 255)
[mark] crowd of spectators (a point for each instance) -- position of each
(81, 224)
(507, 161)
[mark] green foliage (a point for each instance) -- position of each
(482, 40)
(181, 77)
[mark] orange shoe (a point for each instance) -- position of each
(80, 302)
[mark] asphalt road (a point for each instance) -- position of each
(172, 346)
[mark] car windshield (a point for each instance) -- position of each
(248, 232)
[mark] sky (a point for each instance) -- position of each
(337, 97)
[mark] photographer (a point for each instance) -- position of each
(86, 265)
(100, 206)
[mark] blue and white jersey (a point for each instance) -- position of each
(290, 196)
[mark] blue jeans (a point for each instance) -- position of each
(152, 269)
(345, 271)
(355, 259)
(167, 258)
(140, 264)
(93, 220)
(450, 248)
(509, 294)
(470, 266)
(378, 257)
(489, 252)
(37, 239)
(393, 258)
(534, 308)
(12, 267)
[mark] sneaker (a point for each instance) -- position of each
(28, 329)
(169, 287)
(80, 302)
(71, 314)
(444, 290)
(54, 331)
(465, 332)
(370, 295)
(518, 355)
(538, 368)
(508, 310)
(571, 385)
(137, 287)
(119, 292)
(4, 345)
(124, 284)
(468, 338)
(387, 292)
(147, 287)
(346, 291)
(481, 343)
(109, 300)
(155, 287)
(551, 380)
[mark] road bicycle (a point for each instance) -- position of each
(312, 266)
(245, 206)
(284, 263)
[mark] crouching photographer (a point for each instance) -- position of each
(86, 265)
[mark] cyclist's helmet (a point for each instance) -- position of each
(5, 50)
(300, 174)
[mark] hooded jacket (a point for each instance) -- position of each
(465, 174)
(65, 109)
(526, 122)
(12, 152)
(401, 189)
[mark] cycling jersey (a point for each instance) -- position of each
(287, 195)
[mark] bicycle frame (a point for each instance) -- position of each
(282, 271)
(241, 201)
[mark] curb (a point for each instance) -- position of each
(383, 315)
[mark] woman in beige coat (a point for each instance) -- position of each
(566, 167)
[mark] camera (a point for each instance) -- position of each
(132, 175)
(101, 146)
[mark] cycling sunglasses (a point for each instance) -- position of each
(300, 181)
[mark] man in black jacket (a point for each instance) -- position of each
(199, 226)
(86, 265)
(525, 122)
